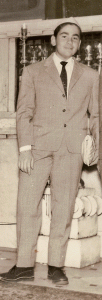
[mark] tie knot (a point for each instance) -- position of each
(63, 63)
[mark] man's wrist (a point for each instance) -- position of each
(25, 148)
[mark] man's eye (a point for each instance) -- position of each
(75, 38)
(64, 36)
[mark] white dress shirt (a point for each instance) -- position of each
(69, 70)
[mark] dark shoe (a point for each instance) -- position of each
(57, 275)
(17, 274)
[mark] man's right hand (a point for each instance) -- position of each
(26, 161)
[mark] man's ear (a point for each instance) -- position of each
(53, 40)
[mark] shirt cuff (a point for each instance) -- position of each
(25, 148)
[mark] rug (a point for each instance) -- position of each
(19, 291)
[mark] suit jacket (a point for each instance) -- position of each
(44, 115)
(100, 122)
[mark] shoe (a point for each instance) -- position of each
(17, 274)
(57, 275)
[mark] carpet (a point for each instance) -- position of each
(19, 291)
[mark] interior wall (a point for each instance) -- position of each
(75, 8)
(47, 9)
(53, 9)
(21, 10)
(83, 7)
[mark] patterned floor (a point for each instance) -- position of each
(85, 283)
(19, 291)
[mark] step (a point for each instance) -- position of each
(100, 223)
(100, 235)
(80, 253)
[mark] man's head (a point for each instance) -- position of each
(66, 39)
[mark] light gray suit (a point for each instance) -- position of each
(55, 127)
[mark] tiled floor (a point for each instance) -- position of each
(88, 279)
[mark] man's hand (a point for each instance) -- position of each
(26, 161)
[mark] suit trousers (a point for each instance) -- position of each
(64, 169)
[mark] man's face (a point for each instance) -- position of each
(67, 41)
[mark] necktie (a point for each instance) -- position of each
(63, 76)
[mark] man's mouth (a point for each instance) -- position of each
(68, 48)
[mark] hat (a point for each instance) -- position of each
(67, 20)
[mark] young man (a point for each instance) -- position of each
(51, 125)
(100, 119)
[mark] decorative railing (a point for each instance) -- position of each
(33, 49)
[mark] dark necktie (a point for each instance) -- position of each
(63, 76)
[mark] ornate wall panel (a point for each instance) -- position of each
(33, 49)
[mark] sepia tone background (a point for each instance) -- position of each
(47, 9)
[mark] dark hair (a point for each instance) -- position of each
(59, 27)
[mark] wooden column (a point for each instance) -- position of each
(7, 86)
(3, 74)
(12, 74)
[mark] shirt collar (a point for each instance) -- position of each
(57, 60)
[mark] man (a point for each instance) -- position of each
(54, 98)
(100, 125)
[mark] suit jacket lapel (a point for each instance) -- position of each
(53, 73)
(76, 74)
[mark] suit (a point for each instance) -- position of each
(55, 127)
(100, 123)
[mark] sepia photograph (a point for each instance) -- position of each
(50, 149)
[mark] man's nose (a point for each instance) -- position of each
(69, 42)
(69, 39)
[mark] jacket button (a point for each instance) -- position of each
(63, 95)
(65, 125)
(64, 110)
